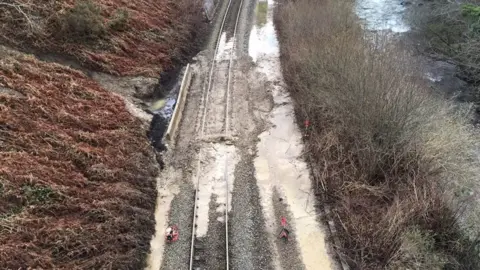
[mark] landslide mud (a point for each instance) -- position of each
(261, 159)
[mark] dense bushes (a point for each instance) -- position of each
(397, 162)
(119, 21)
(452, 33)
(83, 21)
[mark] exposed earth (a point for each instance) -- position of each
(78, 173)
(258, 150)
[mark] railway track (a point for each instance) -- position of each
(216, 96)
(216, 121)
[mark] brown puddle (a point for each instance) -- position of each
(279, 165)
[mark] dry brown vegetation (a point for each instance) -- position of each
(77, 172)
(77, 175)
(120, 36)
(450, 31)
(398, 164)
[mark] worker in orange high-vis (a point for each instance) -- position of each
(284, 233)
(307, 128)
(171, 235)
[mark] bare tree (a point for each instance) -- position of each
(25, 10)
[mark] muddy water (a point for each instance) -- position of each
(279, 167)
(218, 163)
(225, 47)
(166, 193)
(162, 110)
(263, 40)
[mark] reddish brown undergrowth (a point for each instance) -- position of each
(131, 37)
(77, 187)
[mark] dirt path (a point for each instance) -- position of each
(260, 159)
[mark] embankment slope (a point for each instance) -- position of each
(77, 172)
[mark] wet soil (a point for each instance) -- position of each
(203, 158)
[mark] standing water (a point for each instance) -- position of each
(162, 110)
(279, 166)
(263, 39)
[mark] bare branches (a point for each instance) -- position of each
(24, 10)
(453, 36)
(386, 151)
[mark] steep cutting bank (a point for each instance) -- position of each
(78, 174)
(117, 37)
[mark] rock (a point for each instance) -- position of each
(420, 4)
(10, 92)
(144, 87)
(405, 3)
(138, 87)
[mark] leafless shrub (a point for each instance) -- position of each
(22, 13)
(451, 32)
(82, 22)
(119, 21)
(388, 152)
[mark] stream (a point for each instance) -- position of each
(392, 17)
(162, 110)
(382, 15)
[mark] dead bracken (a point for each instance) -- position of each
(76, 172)
(118, 37)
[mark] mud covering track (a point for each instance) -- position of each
(219, 139)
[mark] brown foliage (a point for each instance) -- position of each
(389, 154)
(450, 33)
(77, 173)
(147, 41)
